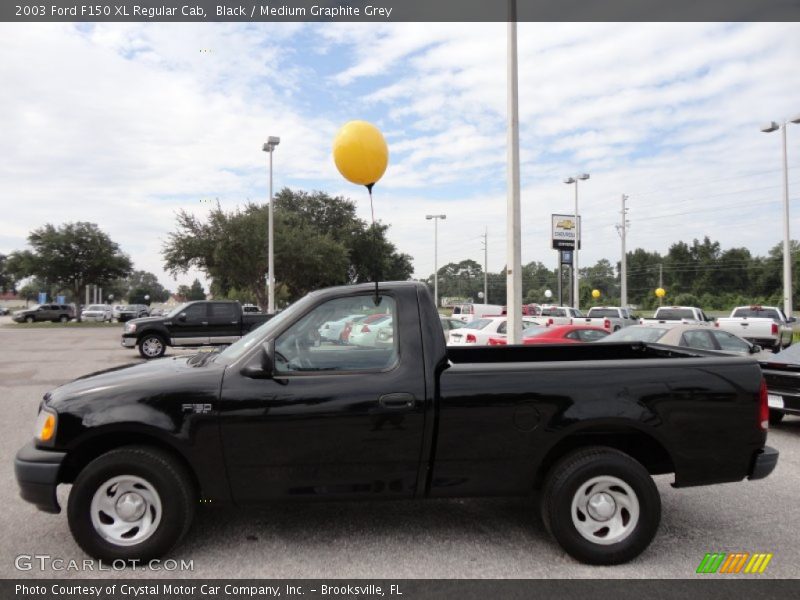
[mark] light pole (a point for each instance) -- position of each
(575, 289)
(435, 255)
(272, 142)
(787, 254)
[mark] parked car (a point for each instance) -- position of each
(45, 312)
(782, 374)
(478, 332)
(610, 318)
(200, 323)
(385, 336)
(115, 310)
(682, 314)
(4, 310)
(332, 330)
(132, 311)
(98, 312)
(356, 324)
(471, 311)
(557, 334)
(766, 326)
(450, 323)
(279, 416)
(558, 315)
(687, 335)
(365, 334)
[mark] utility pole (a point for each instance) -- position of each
(622, 228)
(513, 231)
(486, 266)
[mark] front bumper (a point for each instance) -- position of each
(37, 476)
(764, 463)
(128, 342)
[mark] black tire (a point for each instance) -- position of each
(775, 416)
(29, 319)
(562, 485)
(163, 472)
(617, 328)
(63, 318)
(151, 345)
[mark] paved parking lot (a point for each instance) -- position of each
(441, 538)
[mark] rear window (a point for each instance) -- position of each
(637, 334)
(603, 312)
(757, 313)
(477, 324)
(674, 314)
(554, 312)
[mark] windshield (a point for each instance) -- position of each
(477, 324)
(637, 334)
(790, 355)
(536, 331)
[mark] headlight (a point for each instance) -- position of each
(130, 327)
(46, 425)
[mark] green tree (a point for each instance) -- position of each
(319, 241)
(142, 283)
(196, 291)
(8, 280)
(71, 256)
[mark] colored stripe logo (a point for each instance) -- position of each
(734, 562)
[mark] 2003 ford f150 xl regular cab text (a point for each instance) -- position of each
(283, 414)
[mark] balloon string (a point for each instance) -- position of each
(375, 241)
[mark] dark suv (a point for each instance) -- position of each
(45, 312)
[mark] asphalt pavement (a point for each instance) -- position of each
(483, 538)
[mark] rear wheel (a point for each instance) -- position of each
(135, 502)
(63, 318)
(152, 346)
(601, 505)
(29, 319)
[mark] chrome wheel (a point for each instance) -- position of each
(605, 510)
(125, 510)
(152, 347)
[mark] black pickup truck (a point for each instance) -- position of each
(200, 323)
(281, 414)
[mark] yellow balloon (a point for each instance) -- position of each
(360, 153)
(595, 293)
(661, 292)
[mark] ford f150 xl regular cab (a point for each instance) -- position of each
(199, 323)
(282, 414)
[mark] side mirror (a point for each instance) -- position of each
(182, 317)
(261, 367)
(755, 349)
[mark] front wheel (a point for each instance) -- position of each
(29, 319)
(152, 346)
(135, 502)
(601, 505)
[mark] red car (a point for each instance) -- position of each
(560, 334)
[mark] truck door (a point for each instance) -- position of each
(190, 328)
(224, 322)
(335, 420)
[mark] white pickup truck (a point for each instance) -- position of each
(680, 314)
(610, 318)
(766, 326)
(557, 315)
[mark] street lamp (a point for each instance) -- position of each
(272, 142)
(435, 255)
(147, 299)
(575, 288)
(787, 258)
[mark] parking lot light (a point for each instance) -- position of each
(575, 279)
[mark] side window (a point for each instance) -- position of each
(503, 327)
(223, 310)
(698, 339)
(573, 335)
(589, 335)
(730, 342)
(196, 311)
(372, 344)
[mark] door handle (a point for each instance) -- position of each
(397, 401)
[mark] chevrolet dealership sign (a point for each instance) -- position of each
(564, 230)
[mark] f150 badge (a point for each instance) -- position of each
(200, 409)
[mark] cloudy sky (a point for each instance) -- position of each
(124, 124)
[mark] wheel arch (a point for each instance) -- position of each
(95, 446)
(640, 445)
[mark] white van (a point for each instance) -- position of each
(470, 312)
